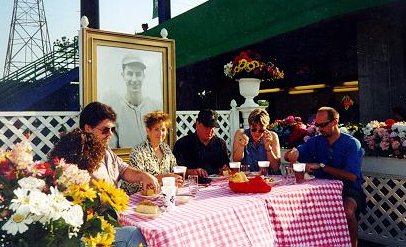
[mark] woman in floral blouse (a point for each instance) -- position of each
(153, 155)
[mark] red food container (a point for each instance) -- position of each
(254, 185)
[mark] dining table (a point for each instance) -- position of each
(291, 214)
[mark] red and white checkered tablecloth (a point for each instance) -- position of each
(309, 214)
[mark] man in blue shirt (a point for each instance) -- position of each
(335, 155)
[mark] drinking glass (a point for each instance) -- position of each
(289, 176)
(180, 170)
(263, 168)
(234, 167)
(193, 183)
(168, 181)
(169, 193)
(299, 169)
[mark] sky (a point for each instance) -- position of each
(63, 17)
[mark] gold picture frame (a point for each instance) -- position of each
(104, 55)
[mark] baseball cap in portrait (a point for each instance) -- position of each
(208, 118)
(131, 58)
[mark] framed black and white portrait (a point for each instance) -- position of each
(134, 75)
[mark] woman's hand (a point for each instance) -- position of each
(268, 139)
(242, 138)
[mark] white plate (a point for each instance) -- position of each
(147, 197)
(149, 216)
(182, 199)
(274, 181)
(308, 176)
(252, 174)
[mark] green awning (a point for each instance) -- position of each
(220, 26)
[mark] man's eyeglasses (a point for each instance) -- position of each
(322, 125)
(107, 130)
(257, 130)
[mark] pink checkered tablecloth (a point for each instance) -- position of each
(308, 214)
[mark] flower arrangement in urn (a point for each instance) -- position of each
(52, 203)
(249, 64)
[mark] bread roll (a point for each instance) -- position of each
(147, 207)
(148, 192)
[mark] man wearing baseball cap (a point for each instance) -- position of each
(202, 152)
(132, 106)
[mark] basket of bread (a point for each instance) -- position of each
(239, 183)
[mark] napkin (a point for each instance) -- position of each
(254, 185)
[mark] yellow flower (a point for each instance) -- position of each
(242, 63)
(80, 193)
(4, 156)
(252, 65)
(103, 238)
(111, 195)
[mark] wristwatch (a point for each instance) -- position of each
(322, 165)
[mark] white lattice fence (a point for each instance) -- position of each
(185, 125)
(385, 219)
(43, 128)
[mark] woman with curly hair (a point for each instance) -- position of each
(153, 155)
(81, 148)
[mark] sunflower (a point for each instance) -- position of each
(80, 193)
(242, 63)
(252, 65)
(103, 238)
(111, 195)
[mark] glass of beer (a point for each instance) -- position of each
(299, 169)
(235, 167)
(263, 168)
(180, 170)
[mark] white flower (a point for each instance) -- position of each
(367, 130)
(73, 216)
(344, 130)
(17, 223)
(39, 203)
(228, 69)
(73, 175)
(393, 134)
(31, 183)
(57, 203)
(21, 155)
(21, 204)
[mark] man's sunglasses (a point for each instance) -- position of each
(257, 130)
(322, 125)
(107, 130)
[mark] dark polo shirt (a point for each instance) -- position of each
(190, 152)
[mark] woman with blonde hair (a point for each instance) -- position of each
(257, 143)
(153, 155)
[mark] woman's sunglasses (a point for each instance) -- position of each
(107, 130)
(257, 130)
